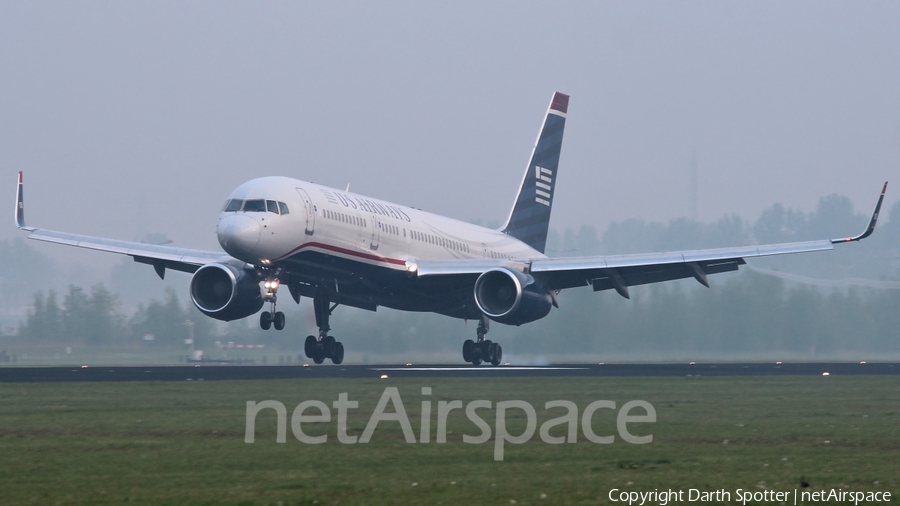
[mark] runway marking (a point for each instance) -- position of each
(505, 368)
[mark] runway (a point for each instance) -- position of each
(202, 372)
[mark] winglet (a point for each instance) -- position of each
(20, 207)
(871, 227)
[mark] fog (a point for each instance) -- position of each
(131, 119)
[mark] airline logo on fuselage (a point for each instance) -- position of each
(543, 182)
(367, 205)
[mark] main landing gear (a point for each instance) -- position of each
(482, 350)
(324, 346)
(269, 318)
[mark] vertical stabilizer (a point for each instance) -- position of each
(529, 219)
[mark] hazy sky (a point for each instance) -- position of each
(130, 118)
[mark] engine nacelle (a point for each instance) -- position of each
(225, 292)
(511, 297)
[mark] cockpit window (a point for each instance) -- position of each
(272, 206)
(255, 206)
(283, 207)
(233, 205)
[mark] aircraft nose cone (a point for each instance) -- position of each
(238, 234)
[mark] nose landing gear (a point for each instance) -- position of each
(269, 318)
(482, 350)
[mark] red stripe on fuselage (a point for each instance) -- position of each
(344, 251)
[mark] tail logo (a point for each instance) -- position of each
(543, 180)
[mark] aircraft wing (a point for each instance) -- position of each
(618, 272)
(159, 256)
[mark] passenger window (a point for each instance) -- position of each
(255, 206)
(234, 205)
(283, 208)
(272, 206)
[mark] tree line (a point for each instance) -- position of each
(94, 318)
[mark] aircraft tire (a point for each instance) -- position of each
(309, 347)
(338, 356)
(265, 320)
(485, 348)
(328, 345)
(496, 354)
(278, 320)
(319, 354)
(468, 350)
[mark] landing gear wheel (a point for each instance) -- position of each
(328, 345)
(338, 355)
(468, 350)
(265, 320)
(477, 356)
(478, 351)
(278, 320)
(485, 348)
(319, 355)
(309, 347)
(496, 353)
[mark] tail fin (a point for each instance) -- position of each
(529, 219)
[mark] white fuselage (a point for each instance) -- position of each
(348, 225)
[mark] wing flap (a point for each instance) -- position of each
(644, 276)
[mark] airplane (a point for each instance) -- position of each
(343, 249)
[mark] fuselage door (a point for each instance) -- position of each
(376, 232)
(310, 211)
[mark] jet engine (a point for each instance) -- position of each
(225, 292)
(511, 297)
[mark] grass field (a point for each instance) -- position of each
(183, 443)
